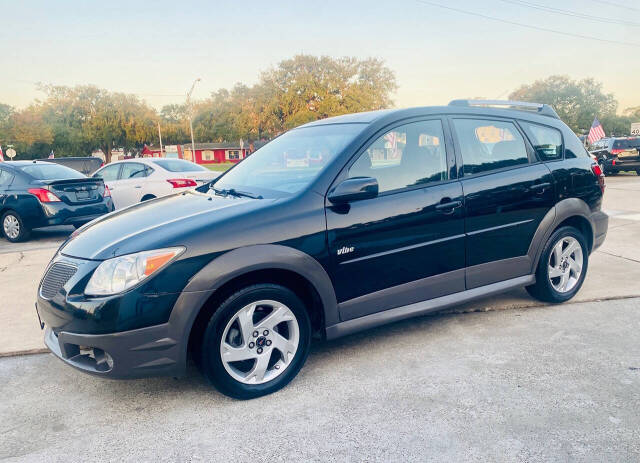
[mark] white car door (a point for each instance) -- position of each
(110, 175)
(130, 184)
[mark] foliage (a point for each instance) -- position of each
(576, 102)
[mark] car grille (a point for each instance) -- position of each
(55, 278)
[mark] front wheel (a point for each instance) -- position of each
(562, 266)
(256, 342)
(13, 227)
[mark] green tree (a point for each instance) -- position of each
(576, 102)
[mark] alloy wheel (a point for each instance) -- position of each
(259, 342)
(11, 226)
(565, 264)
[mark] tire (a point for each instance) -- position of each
(638, 171)
(13, 228)
(262, 367)
(567, 280)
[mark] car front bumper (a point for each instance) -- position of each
(150, 351)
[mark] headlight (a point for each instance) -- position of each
(121, 273)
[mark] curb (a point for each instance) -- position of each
(37, 350)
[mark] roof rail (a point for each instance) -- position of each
(540, 108)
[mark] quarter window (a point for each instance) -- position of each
(409, 155)
(5, 178)
(546, 141)
(489, 145)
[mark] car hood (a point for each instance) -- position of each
(168, 221)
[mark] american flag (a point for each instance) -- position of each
(1, 156)
(595, 132)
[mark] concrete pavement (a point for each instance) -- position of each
(614, 270)
(545, 384)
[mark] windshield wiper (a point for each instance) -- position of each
(236, 193)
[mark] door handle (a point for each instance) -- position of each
(540, 187)
(448, 207)
(137, 186)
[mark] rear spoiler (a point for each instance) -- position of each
(70, 181)
(540, 108)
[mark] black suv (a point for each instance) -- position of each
(618, 154)
(334, 227)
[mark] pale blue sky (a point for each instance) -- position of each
(156, 49)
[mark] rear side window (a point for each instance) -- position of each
(626, 144)
(546, 141)
(133, 170)
(488, 145)
(409, 155)
(5, 178)
(49, 171)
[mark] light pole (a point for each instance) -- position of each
(190, 109)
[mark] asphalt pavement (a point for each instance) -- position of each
(557, 383)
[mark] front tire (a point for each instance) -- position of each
(256, 342)
(13, 227)
(562, 266)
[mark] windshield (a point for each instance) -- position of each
(48, 171)
(178, 165)
(290, 162)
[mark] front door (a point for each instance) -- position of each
(130, 184)
(407, 244)
(507, 192)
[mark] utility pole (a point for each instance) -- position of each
(160, 137)
(190, 109)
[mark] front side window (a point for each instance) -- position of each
(409, 155)
(290, 162)
(489, 145)
(546, 141)
(109, 173)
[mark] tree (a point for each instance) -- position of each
(576, 102)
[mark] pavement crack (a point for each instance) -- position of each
(621, 257)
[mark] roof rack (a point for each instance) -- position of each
(540, 108)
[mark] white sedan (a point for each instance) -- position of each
(135, 180)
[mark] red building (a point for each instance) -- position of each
(214, 153)
(205, 153)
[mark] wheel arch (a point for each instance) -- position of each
(571, 211)
(241, 267)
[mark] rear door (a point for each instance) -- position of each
(131, 183)
(110, 174)
(407, 244)
(507, 192)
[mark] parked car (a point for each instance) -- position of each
(138, 180)
(618, 154)
(407, 212)
(36, 194)
(85, 165)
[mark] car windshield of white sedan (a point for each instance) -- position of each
(179, 165)
(290, 162)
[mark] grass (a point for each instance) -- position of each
(219, 167)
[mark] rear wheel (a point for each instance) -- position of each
(13, 227)
(562, 266)
(256, 342)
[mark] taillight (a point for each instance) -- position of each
(45, 196)
(182, 182)
(597, 171)
(616, 152)
(107, 192)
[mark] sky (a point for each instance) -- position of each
(156, 49)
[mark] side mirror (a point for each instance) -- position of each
(354, 189)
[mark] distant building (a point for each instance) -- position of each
(215, 153)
